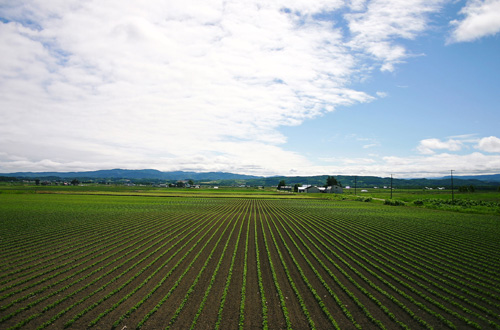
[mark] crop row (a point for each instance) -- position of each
(240, 263)
(170, 229)
(366, 261)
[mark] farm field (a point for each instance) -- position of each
(82, 261)
(409, 195)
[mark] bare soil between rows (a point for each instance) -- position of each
(365, 276)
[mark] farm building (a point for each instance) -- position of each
(334, 189)
(309, 189)
(314, 189)
(285, 188)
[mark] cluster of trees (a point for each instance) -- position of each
(8, 179)
(182, 184)
(331, 181)
(281, 184)
(469, 188)
(74, 182)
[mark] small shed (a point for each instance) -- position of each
(312, 190)
(334, 189)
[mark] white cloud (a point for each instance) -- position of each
(118, 81)
(371, 145)
(423, 166)
(466, 138)
(348, 161)
(489, 144)
(101, 81)
(358, 5)
(428, 146)
(482, 18)
(375, 29)
(473, 163)
(433, 165)
(197, 85)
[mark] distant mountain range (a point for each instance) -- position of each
(487, 178)
(223, 178)
(374, 181)
(134, 174)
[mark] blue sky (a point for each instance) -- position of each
(360, 87)
(448, 92)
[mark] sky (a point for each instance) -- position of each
(261, 87)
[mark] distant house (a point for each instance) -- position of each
(303, 188)
(309, 189)
(334, 189)
(286, 188)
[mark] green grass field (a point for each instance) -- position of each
(102, 258)
(409, 195)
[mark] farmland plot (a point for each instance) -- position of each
(104, 262)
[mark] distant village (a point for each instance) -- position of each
(311, 189)
(298, 185)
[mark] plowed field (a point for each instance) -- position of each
(126, 262)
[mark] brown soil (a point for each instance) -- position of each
(349, 246)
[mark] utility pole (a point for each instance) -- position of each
(355, 183)
(452, 193)
(391, 186)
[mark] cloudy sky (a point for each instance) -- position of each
(262, 87)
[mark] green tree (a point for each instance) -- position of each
(7, 178)
(75, 182)
(296, 188)
(331, 181)
(281, 184)
(191, 182)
